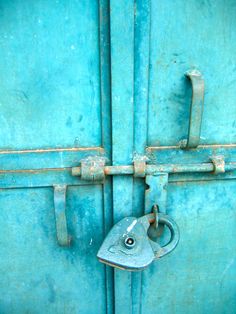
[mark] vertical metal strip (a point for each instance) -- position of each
(60, 214)
(105, 96)
(196, 109)
(156, 194)
(122, 73)
(141, 86)
(141, 73)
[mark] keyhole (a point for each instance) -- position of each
(129, 242)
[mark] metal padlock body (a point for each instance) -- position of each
(116, 250)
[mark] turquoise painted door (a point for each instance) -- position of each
(106, 78)
(153, 44)
(199, 276)
(51, 118)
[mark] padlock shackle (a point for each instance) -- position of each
(174, 234)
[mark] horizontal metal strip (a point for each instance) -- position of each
(51, 177)
(39, 178)
(153, 169)
(188, 177)
(202, 154)
(46, 158)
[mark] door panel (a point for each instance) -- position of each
(188, 35)
(199, 276)
(49, 72)
(54, 112)
(58, 106)
(37, 274)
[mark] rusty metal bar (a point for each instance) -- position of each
(167, 168)
(196, 110)
(60, 207)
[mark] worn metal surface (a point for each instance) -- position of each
(153, 169)
(196, 110)
(156, 192)
(139, 168)
(92, 169)
(199, 276)
(63, 237)
(54, 112)
(59, 106)
(46, 158)
(202, 154)
(40, 274)
(156, 198)
(202, 263)
(173, 52)
(56, 75)
(128, 246)
(122, 133)
(219, 164)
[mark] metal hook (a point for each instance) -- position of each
(196, 110)
(60, 206)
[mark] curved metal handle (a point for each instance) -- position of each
(196, 110)
(63, 237)
(174, 238)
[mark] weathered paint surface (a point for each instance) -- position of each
(181, 36)
(199, 35)
(49, 69)
(88, 78)
(38, 275)
(199, 276)
(52, 101)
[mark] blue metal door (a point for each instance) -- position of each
(52, 99)
(153, 44)
(199, 276)
(84, 83)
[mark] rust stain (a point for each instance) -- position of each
(51, 150)
(215, 146)
(35, 171)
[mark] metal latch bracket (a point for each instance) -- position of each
(60, 214)
(94, 168)
(156, 199)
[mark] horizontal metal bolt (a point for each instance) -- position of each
(167, 168)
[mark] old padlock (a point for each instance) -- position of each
(128, 246)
